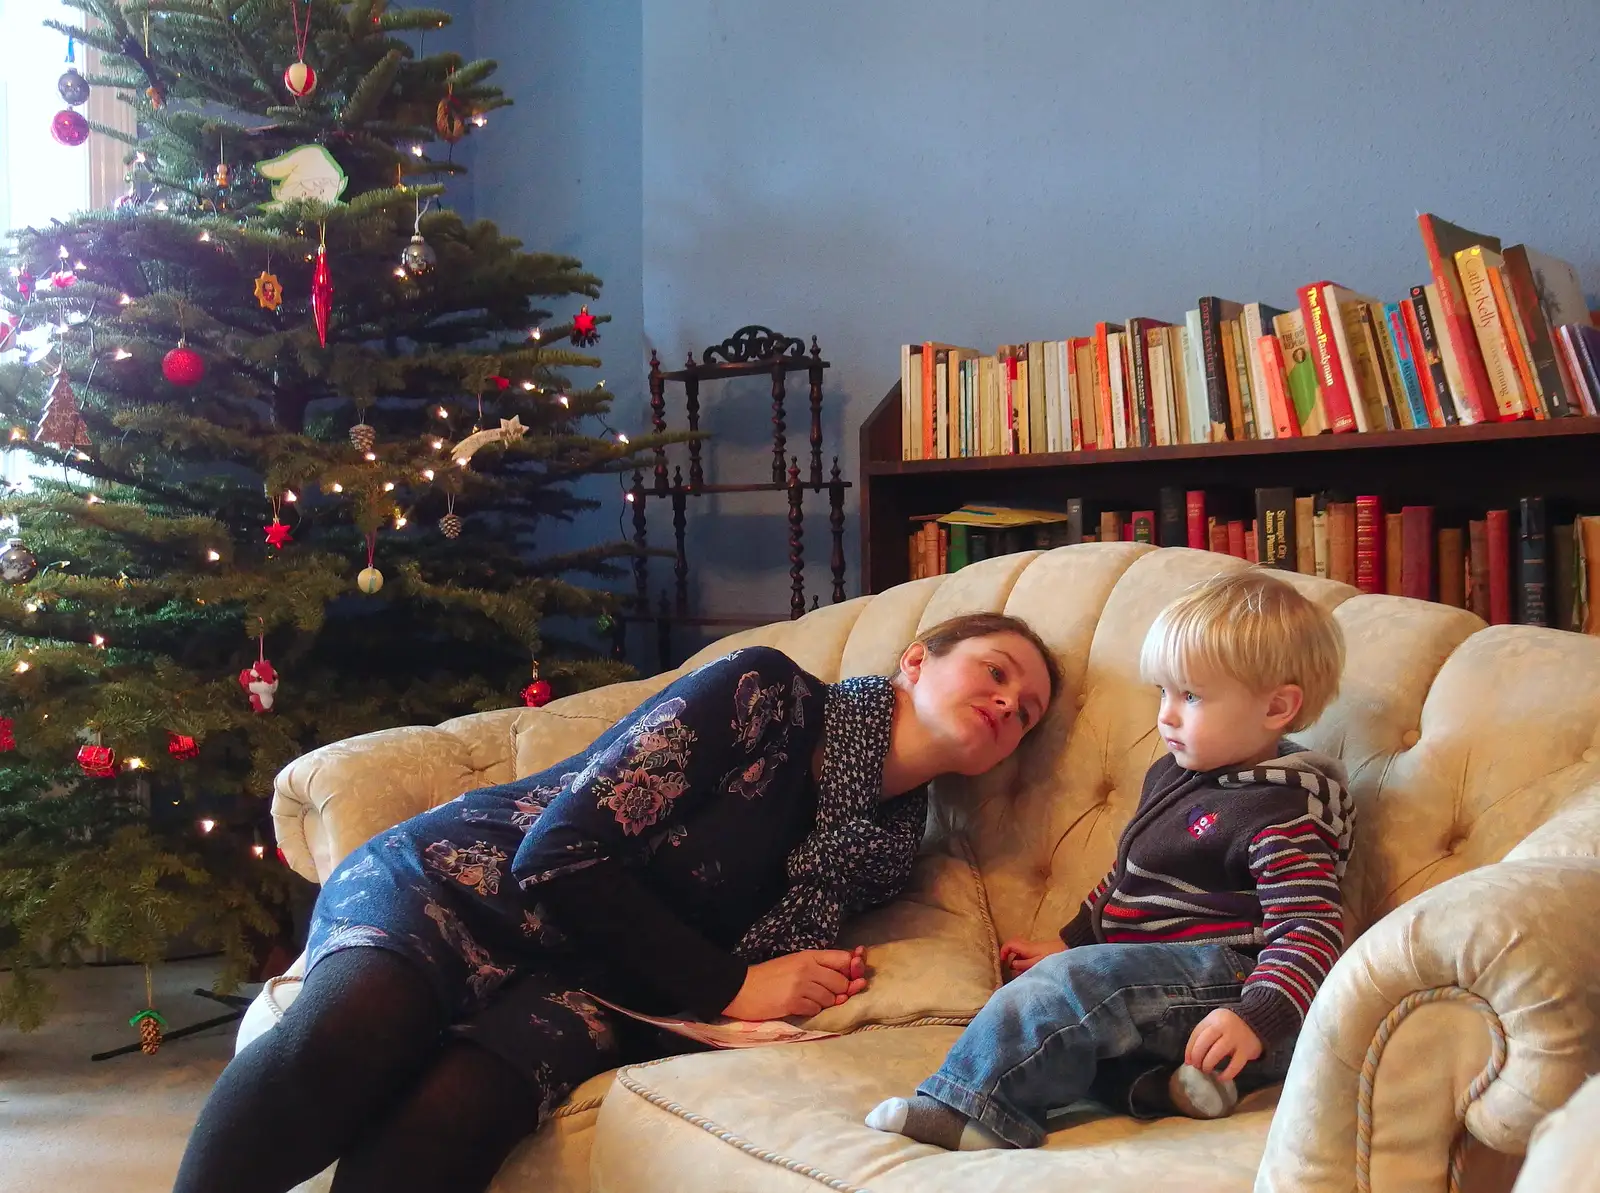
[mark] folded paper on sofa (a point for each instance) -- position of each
(724, 1033)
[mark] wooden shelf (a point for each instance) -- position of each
(1459, 470)
(1371, 441)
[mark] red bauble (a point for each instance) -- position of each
(69, 127)
(322, 294)
(8, 742)
(583, 329)
(300, 79)
(183, 365)
(98, 762)
(537, 694)
(181, 746)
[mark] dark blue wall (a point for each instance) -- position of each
(896, 170)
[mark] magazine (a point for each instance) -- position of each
(724, 1033)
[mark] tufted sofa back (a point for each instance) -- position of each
(1461, 740)
(1464, 743)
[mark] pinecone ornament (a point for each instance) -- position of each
(450, 526)
(363, 436)
(150, 1025)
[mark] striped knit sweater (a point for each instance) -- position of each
(1248, 857)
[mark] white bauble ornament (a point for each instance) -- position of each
(370, 580)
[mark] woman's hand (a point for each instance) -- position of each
(799, 984)
(1019, 956)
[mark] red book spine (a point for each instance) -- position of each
(1479, 398)
(1236, 539)
(1102, 380)
(1369, 544)
(1430, 394)
(929, 383)
(1499, 535)
(1195, 513)
(1285, 421)
(1252, 544)
(1325, 353)
(1416, 552)
(1012, 444)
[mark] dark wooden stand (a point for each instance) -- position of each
(1456, 469)
(752, 351)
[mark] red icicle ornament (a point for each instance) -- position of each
(322, 294)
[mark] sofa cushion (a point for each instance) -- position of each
(790, 1117)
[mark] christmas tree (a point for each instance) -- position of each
(294, 427)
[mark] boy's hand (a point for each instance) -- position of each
(1019, 956)
(1222, 1036)
(800, 984)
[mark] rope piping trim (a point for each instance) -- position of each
(632, 1084)
(1474, 1091)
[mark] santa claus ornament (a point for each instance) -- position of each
(261, 682)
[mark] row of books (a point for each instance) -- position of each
(1506, 565)
(1495, 335)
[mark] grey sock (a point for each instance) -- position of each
(1199, 1094)
(928, 1120)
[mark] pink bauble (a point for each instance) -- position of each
(300, 79)
(69, 127)
(183, 366)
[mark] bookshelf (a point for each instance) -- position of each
(1460, 470)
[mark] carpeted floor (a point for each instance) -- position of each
(69, 1125)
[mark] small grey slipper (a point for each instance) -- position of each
(1199, 1094)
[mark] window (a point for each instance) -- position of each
(41, 180)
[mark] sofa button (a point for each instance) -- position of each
(1410, 738)
(1082, 696)
(1591, 755)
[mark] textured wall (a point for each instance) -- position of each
(982, 173)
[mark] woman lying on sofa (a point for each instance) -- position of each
(701, 854)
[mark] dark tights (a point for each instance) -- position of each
(359, 1072)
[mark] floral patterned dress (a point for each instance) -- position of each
(702, 793)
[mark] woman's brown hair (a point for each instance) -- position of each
(940, 638)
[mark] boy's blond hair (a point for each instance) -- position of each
(1254, 628)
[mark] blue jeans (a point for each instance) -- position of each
(1087, 1023)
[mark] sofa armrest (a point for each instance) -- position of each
(1510, 947)
(327, 802)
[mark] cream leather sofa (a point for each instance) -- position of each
(1473, 752)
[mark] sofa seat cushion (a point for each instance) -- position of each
(789, 1117)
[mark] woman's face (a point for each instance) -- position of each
(979, 697)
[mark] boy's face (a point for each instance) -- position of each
(1213, 721)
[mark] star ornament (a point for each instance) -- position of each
(269, 291)
(511, 429)
(583, 329)
(277, 535)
